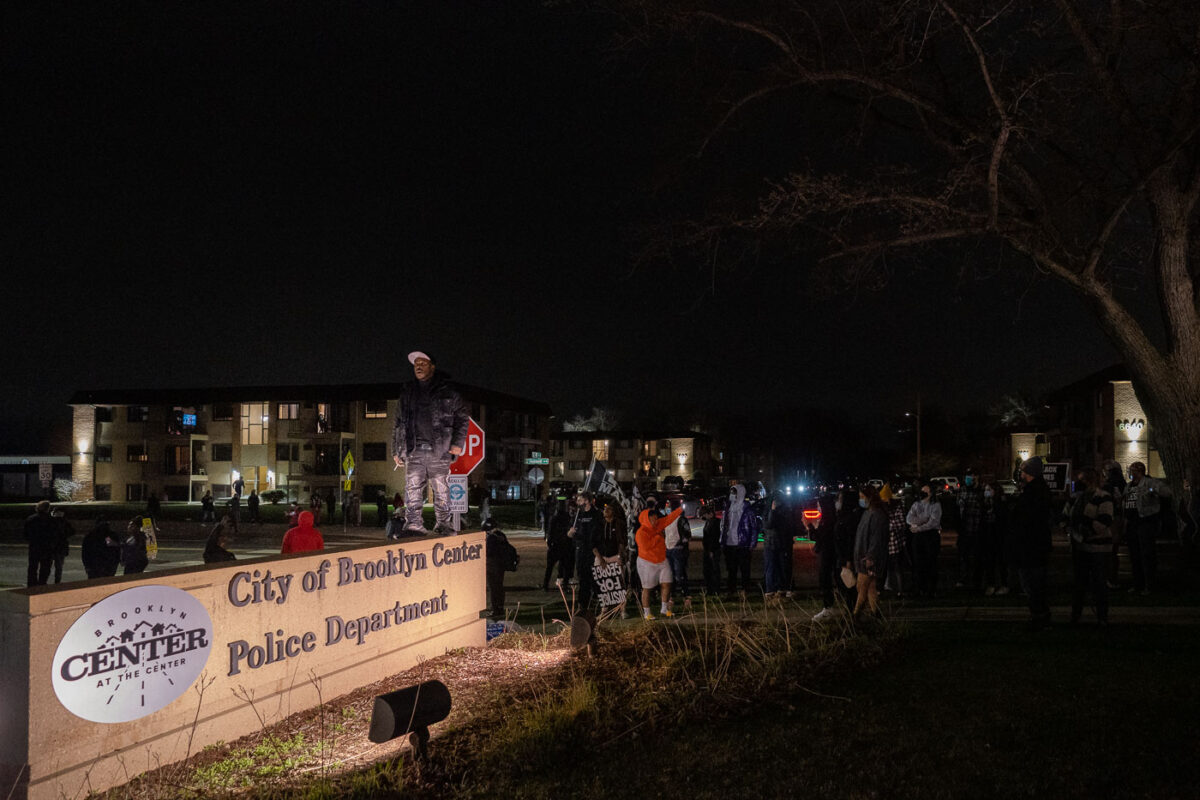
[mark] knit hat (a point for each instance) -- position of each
(1032, 466)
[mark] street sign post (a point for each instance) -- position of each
(536, 476)
(470, 458)
(46, 474)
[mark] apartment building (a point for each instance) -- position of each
(180, 443)
(639, 457)
(1089, 422)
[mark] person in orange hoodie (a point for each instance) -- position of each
(303, 537)
(652, 565)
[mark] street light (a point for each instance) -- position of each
(917, 415)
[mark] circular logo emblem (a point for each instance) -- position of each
(132, 654)
(457, 492)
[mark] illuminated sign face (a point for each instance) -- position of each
(189, 420)
(132, 654)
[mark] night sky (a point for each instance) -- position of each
(303, 193)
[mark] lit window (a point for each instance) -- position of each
(254, 428)
(289, 411)
(375, 409)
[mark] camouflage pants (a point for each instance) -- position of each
(423, 468)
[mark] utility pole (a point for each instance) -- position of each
(919, 473)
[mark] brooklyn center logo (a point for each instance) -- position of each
(132, 654)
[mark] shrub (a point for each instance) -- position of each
(274, 497)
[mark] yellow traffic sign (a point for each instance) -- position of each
(348, 463)
(347, 485)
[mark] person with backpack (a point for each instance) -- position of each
(501, 557)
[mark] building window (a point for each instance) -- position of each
(600, 449)
(625, 444)
(104, 414)
(375, 409)
(287, 451)
(104, 452)
(327, 461)
(370, 492)
(103, 491)
(577, 444)
(254, 423)
(135, 452)
(576, 465)
(177, 461)
(374, 451)
(289, 411)
(222, 452)
(222, 412)
(137, 413)
(135, 492)
(624, 465)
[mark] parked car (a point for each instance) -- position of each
(945, 483)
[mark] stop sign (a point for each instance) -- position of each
(472, 453)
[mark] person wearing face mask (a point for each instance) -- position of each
(739, 534)
(870, 549)
(993, 564)
(925, 521)
(970, 506)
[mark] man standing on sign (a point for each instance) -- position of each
(430, 432)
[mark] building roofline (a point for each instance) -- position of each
(288, 393)
(629, 435)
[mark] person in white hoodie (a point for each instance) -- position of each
(737, 551)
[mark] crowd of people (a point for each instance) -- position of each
(868, 541)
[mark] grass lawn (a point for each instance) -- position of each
(955, 711)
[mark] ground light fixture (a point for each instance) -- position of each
(410, 712)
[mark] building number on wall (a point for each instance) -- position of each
(1131, 424)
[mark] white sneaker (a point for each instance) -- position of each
(822, 615)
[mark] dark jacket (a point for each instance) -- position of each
(847, 528)
(133, 549)
(712, 534)
(100, 559)
(612, 535)
(556, 537)
(1029, 524)
(589, 526)
(449, 417)
(777, 530)
(825, 535)
(39, 532)
(870, 542)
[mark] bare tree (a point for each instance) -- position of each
(1061, 132)
(601, 419)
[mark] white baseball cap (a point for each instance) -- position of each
(415, 354)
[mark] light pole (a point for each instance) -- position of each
(917, 415)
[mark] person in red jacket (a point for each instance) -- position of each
(303, 537)
(652, 565)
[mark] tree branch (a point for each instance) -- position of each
(755, 95)
(1110, 86)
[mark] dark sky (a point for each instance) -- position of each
(302, 193)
